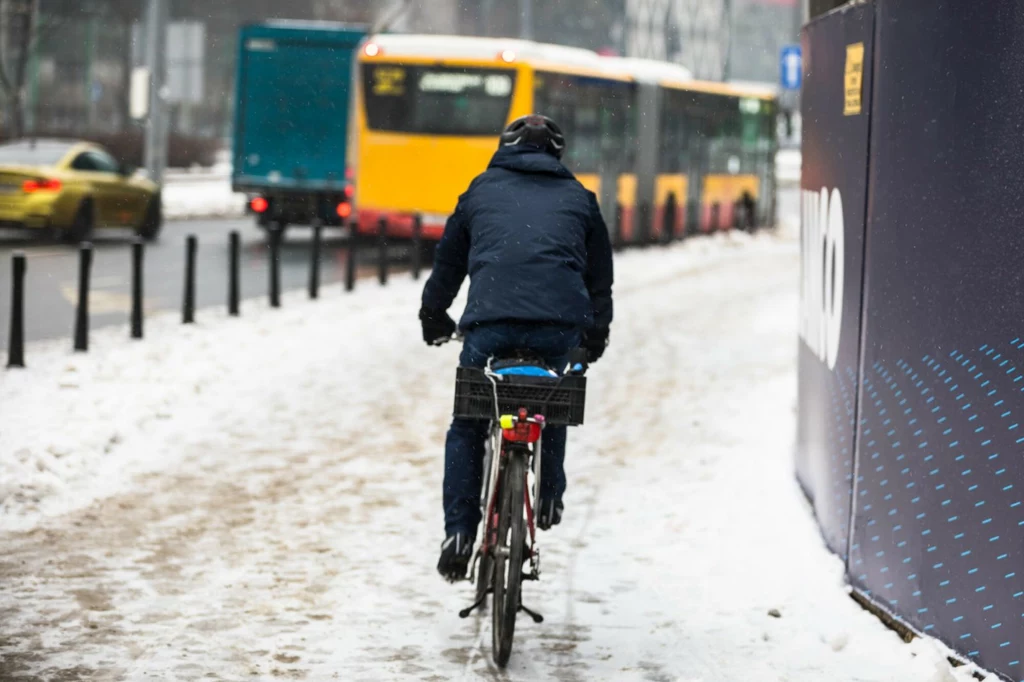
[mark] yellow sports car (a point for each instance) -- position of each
(70, 188)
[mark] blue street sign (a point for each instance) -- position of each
(791, 67)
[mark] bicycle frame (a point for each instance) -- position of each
(509, 435)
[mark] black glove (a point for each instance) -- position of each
(595, 341)
(438, 326)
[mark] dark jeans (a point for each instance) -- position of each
(464, 451)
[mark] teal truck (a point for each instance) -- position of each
(292, 110)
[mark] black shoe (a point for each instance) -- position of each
(456, 552)
(549, 514)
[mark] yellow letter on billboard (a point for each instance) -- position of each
(854, 78)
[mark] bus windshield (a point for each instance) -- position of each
(437, 100)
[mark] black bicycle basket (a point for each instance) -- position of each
(561, 400)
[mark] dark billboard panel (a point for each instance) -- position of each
(938, 516)
(836, 100)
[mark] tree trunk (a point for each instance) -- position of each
(16, 109)
(14, 65)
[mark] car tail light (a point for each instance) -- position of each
(45, 185)
(344, 210)
(259, 205)
(350, 191)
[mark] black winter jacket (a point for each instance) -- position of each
(534, 244)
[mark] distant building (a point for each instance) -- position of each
(715, 39)
(592, 24)
(760, 29)
(694, 33)
(78, 78)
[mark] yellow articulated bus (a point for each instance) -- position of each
(715, 165)
(664, 153)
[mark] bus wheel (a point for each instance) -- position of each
(668, 221)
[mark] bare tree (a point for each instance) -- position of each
(23, 29)
(17, 18)
(357, 11)
(124, 14)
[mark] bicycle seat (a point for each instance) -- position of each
(522, 363)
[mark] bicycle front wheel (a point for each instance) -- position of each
(508, 557)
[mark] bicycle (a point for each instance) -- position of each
(521, 396)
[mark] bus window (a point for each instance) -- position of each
(595, 115)
(555, 97)
(724, 133)
(436, 100)
(686, 128)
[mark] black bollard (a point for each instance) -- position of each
(82, 314)
(619, 240)
(691, 221)
(417, 246)
(137, 255)
(382, 251)
(188, 312)
(16, 347)
(350, 257)
(314, 263)
(275, 267)
(234, 250)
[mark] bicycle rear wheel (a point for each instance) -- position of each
(508, 557)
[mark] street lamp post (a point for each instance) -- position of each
(526, 19)
(156, 62)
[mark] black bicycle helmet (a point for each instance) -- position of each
(537, 130)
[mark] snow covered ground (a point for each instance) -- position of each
(259, 498)
(203, 193)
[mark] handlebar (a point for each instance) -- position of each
(577, 365)
(457, 337)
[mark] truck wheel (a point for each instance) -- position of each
(268, 228)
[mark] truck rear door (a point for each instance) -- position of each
(294, 100)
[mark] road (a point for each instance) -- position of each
(52, 279)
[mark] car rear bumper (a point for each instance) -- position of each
(27, 211)
(26, 223)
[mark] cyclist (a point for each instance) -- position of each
(537, 252)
